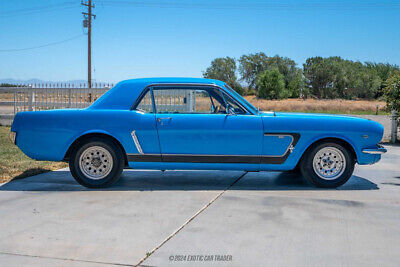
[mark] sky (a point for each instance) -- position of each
(133, 39)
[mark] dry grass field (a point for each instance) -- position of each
(336, 106)
(6, 97)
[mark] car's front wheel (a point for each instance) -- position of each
(327, 165)
(96, 163)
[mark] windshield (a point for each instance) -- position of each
(242, 99)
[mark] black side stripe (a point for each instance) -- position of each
(206, 158)
(211, 159)
(189, 158)
(144, 157)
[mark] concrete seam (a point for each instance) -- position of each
(188, 221)
(64, 259)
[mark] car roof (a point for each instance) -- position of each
(124, 94)
(149, 81)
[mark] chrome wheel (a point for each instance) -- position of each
(95, 162)
(329, 163)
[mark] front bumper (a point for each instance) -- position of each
(376, 151)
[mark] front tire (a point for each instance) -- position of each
(96, 163)
(327, 165)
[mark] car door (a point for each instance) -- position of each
(194, 127)
(143, 150)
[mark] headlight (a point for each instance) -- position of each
(13, 136)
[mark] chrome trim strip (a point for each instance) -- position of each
(290, 146)
(136, 141)
(375, 151)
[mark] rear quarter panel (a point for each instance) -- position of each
(47, 135)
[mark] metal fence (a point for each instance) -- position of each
(18, 99)
(33, 98)
(175, 100)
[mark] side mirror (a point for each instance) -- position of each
(231, 111)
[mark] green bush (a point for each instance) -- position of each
(391, 92)
(271, 85)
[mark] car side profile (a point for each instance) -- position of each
(195, 124)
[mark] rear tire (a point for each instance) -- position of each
(96, 163)
(327, 165)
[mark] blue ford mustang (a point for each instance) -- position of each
(196, 124)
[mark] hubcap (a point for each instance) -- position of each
(329, 163)
(96, 162)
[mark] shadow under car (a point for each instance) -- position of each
(140, 180)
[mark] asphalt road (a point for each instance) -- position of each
(201, 218)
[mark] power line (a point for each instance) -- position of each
(40, 46)
(256, 5)
(36, 10)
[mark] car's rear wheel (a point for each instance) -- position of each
(327, 165)
(96, 163)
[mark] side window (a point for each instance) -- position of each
(198, 101)
(146, 104)
(233, 106)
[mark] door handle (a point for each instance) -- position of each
(161, 119)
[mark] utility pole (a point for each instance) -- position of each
(87, 23)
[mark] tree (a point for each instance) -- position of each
(296, 85)
(251, 66)
(367, 84)
(7, 85)
(319, 75)
(328, 78)
(224, 69)
(384, 71)
(391, 92)
(294, 81)
(334, 77)
(271, 85)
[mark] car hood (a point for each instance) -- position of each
(309, 115)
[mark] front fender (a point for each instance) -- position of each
(320, 137)
(353, 139)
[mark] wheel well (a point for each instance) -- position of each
(84, 138)
(342, 142)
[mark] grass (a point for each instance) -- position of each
(332, 106)
(14, 164)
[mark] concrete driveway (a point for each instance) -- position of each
(182, 218)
